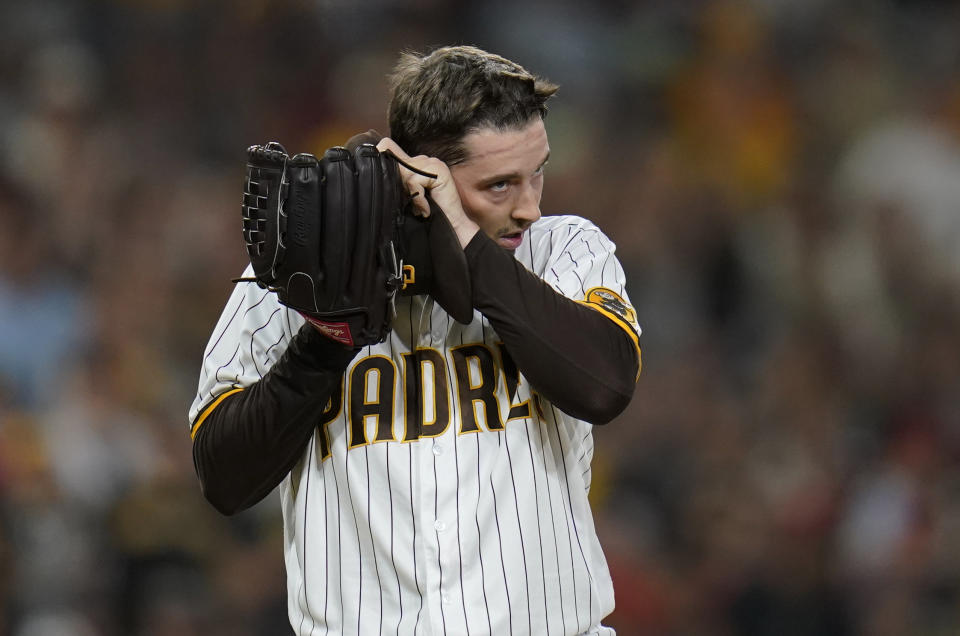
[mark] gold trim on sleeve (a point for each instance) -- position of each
(207, 411)
(623, 324)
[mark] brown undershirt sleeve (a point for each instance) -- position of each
(246, 444)
(574, 356)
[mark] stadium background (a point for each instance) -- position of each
(782, 178)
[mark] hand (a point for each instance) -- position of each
(442, 189)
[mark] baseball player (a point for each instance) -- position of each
(437, 482)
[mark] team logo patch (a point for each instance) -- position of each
(613, 303)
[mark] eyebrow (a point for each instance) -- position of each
(510, 176)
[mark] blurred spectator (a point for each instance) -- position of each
(781, 179)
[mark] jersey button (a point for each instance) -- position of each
(445, 598)
(439, 526)
(437, 448)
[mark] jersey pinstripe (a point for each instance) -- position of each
(440, 495)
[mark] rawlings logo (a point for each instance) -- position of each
(301, 221)
(339, 331)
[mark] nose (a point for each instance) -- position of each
(527, 209)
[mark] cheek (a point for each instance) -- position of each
(471, 204)
(481, 210)
(469, 199)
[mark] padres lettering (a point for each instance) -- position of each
(369, 395)
(371, 398)
(422, 369)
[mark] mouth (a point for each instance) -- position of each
(510, 241)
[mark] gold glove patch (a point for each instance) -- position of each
(611, 302)
(613, 306)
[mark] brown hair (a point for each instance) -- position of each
(439, 98)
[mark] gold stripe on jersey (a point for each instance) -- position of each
(207, 411)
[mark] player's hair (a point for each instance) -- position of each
(439, 98)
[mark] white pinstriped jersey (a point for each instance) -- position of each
(479, 524)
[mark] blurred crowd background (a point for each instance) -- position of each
(781, 177)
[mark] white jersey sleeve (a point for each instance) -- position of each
(576, 258)
(251, 335)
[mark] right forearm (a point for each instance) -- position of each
(247, 443)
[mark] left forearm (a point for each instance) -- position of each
(577, 358)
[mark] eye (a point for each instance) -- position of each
(539, 170)
(499, 186)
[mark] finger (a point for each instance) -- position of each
(419, 200)
(389, 144)
(390, 147)
(416, 186)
